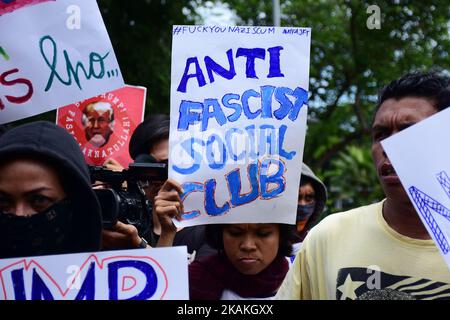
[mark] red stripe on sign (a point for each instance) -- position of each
(7, 6)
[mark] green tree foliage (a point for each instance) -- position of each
(352, 179)
(349, 64)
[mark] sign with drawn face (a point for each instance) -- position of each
(103, 125)
(420, 156)
(52, 53)
(142, 274)
(238, 119)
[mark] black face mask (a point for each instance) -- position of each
(304, 212)
(43, 233)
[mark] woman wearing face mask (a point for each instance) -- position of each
(47, 205)
(312, 196)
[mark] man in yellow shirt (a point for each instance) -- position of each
(379, 251)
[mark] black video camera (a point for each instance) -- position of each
(127, 202)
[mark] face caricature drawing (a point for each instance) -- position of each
(98, 123)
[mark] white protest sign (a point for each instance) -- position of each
(238, 120)
(141, 274)
(420, 156)
(52, 53)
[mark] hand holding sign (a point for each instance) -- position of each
(238, 120)
(168, 203)
(168, 206)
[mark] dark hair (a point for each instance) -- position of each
(214, 238)
(305, 179)
(148, 133)
(429, 85)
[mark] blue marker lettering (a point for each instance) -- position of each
(266, 101)
(276, 178)
(18, 284)
(286, 106)
(274, 61)
(266, 140)
(188, 146)
(228, 141)
(212, 66)
(251, 54)
(210, 204)
(39, 290)
(252, 140)
(235, 185)
(188, 188)
(150, 275)
(210, 152)
(216, 113)
(283, 153)
(235, 106)
(198, 74)
(187, 117)
(245, 96)
(87, 291)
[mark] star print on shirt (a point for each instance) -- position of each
(365, 284)
(349, 287)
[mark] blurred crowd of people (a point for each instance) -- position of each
(48, 206)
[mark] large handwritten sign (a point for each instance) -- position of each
(103, 125)
(238, 119)
(420, 156)
(140, 274)
(52, 53)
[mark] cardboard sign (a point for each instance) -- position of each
(142, 274)
(420, 156)
(52, 53)
(103, 125)
(238, 118)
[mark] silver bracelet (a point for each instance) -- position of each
(143, 243)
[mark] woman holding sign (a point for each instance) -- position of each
(251, 260)
(47, 205)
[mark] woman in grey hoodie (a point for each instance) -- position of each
(312, 196)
